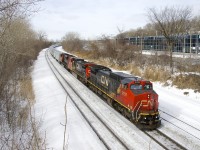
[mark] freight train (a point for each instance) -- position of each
(132, 96)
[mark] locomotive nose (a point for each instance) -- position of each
(151, 101)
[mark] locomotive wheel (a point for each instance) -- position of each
(96, 91)
(99, 92)
(124, 113)
(109, 101)
(115, 105)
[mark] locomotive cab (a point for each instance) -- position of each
(146, 104)
(141, 100)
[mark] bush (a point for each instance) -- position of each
(156, 74)
(191, 81)
(128, 57)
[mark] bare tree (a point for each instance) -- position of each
(120, 38)
(108, 46)
(172, 23)
(196, 24)
(17, 50)
(11, 41)
(9, 9)
(72, 42)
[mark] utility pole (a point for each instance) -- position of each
(184, 45)
(141, 43)
(190, 43)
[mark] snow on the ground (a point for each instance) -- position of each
(80, 135)
(50, 102)
(183, 107)
(184, 104)
(49, 108)
(175, 54)
(174, 101)
(134, 138)
(61, 49)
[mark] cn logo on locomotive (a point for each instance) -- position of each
(104, 80)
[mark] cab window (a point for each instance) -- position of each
(125, 86)
(147, 87)
(136, 87)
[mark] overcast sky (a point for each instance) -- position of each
(92, 18)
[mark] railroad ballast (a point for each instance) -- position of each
(131, 96)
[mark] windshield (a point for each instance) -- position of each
(147, 87)
(139, 87)
(136, 87)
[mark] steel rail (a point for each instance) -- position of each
(82, 113)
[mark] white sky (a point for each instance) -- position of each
(92, 18)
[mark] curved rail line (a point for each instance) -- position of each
(82, 113)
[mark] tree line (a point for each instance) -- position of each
(19, 47)
(170, 22)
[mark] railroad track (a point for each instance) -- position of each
(118, 142)
(182, 122)
(157, 136)
(165, 141)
